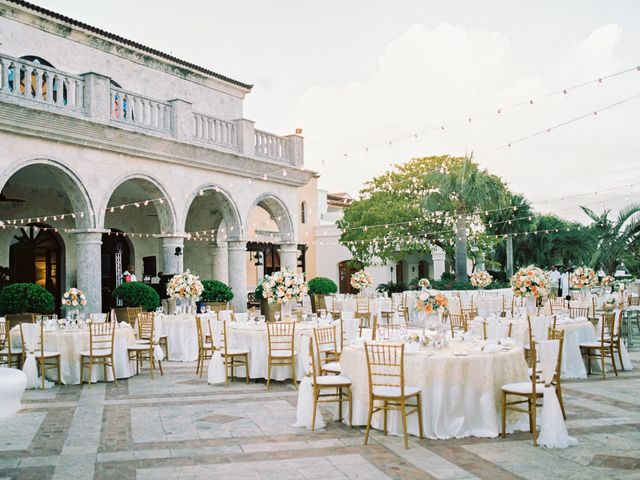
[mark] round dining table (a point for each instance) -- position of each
(460, 387)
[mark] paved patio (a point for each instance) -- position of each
(177, 426)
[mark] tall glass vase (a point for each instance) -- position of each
(285, 311)
(531, 305)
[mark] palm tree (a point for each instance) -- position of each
(464, 190)
(615, 238)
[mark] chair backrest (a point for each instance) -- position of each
(201, 332)
(576, 312)
(538, 328)
(385, 365)
(362, 304)
(320, 302)
(555, 334)
(18, 318)
(3, 334)
(37, 331)
(389, 331)
(495, 330)
(217, 306)
(132, 314)
(325, 338)
(608, 327)
(280, 336)
(101, 337)
(634, 301)
(458, 322)
(145, 325)
(470, 313)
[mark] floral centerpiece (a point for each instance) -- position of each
(607, 280)
(424, 283)
(529, 281)
(430, 301)
(74, 299)
(284, 287)
(185, 286)
(481, 279)
(361, 280)
(584, 277)
(610, 301)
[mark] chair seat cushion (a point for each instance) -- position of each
(332, 380)
(333, 367)
(389, 391)
(235, 351)
(595, 344)
(281, 353)
(139, 347)
(96, 353)
(523, 388)
(46, 354)
(142, 341)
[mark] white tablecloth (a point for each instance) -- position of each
(460, 394)
(182, 335)
(69, 343)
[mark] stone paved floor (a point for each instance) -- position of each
(177, 426)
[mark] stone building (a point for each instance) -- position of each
(112, 153)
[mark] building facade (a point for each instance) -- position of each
(114, 154)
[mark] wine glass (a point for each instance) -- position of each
(203, 309)
(276, 315)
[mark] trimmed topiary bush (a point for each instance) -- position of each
(137, 294)
(322, 286)
(215, 291)
(26, 298)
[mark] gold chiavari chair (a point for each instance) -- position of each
(531, 336)
(281, 338)
(327, 346)
(205, 345)
(333, 307)
(469, 313)
(101, 341)
(575, 312)
(324, 382)
(9, 356)
(217, 306)
(458, 323)
(484, 329)
(556, 303)
(385, 366)
(42, 356)
(132, 315)
(233, 357)
(389, 331)
(142, 351)
(603, 347)
(555, 334)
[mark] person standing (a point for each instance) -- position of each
(555, 280)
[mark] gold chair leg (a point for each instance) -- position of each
(226, 371)
(403, 411)
(246, 366)
(340, 400)
(604, 375)
(113, 370)
(350, 408)
(293, 372)
(269, 373)
(420, 426)
(369, 417)
(533, 423)
(384, 411)
(316, 393)
(613, 359)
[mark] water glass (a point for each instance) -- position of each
(203, 309)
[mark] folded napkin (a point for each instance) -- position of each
(465, 336)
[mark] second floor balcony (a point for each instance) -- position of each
(95, 97)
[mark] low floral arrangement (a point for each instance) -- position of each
(529, 281)
(74, 298)
(610, 302)
(361, 280)
(607, 280)
(423, 283)
(429, 301)
(481, 279)
(284, 287)
(584, 277)
(185, 286)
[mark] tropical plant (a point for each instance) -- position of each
(465, 191)
(391, 287)
(322, 286)
(25, 298)
(215, 291)
(615, 238)
(137, 294)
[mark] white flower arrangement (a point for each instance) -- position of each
(481, 279)
(74, 298)
(361, 280)
(185, 286)
(283, 287)
(529, 281)
(584, 277)
(424, 283)
(607, 280)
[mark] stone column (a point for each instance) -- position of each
(89, 267)
(172, 263)
(237, 255)
(438, 256)
(219, 263)
(289, 256)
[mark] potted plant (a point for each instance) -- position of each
(135, 294)
(216, 294)
(19, 299)
(320, 286)
(186, 289)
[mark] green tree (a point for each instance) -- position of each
(616, 239)
(464, 190)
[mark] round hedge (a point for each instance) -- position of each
(322, 286)
(137, 294)
(215, 291)
(26, 298)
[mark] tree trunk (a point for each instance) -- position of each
(461, 248)
(509, 256)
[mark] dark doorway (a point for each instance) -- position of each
(345, 270)
(36, 256)
(400, 272)
(116, 255)
(423, 269)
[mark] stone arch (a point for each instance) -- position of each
(229, 213)
(279, 213)
(73, 187)
(153, 189)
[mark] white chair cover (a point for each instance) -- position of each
(553, 430)
(158, 352)
(224, 315)
(540, 328)
(351, 326)
(304, 409)
(242, 317)
(30, 333)
(496, 330)
(216, 372)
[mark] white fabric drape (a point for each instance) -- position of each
(540, 328)
(30, 333)
(553, 431)
(304, 409)
(216, 373)
(351, 326)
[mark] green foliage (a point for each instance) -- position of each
(137, 294)
(457, 285)
(26, 298)
(215, 291)
(447, 277)
(258, 292)
(322, 286)
(392, 287)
